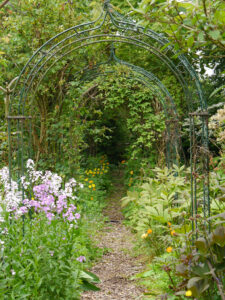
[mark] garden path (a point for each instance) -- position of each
(118, 265)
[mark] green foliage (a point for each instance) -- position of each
(150, 203)
(37, 255)
(39, 261)
(158, 209)
(194, 24)
(120, 117)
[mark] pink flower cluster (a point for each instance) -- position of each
(51, 196)
(54, 206)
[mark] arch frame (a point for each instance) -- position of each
(124, 31)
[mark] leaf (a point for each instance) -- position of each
(182, 270)
(201, 37)
(218, 236)
(87, 286)
(201, 245)
(215, 34)
(217, 90)
(222, 215)
(197, 285)
(190, 41)
(89, 276)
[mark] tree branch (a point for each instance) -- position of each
(3, 3)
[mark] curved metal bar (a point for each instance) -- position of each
(134, 42)
(135, 28)
(139, 70)
(163, 41)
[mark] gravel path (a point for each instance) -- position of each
(118, 265)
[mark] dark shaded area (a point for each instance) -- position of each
(115, 146)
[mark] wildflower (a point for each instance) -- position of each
(149, 231)
(169, 249)
(173, 232)
(123, 162)
(93, 185)
(188, 293)
(77, 216)
(13, 272)
(92, 198)
(131, 172)
(90, 186)
(81, 259)
(94, 189)
(50, 216)
(129, 184)
(169, 224)
(51, 253)
(144, 236)
(86, 179)
(91, 181)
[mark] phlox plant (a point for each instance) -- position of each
(43, 242)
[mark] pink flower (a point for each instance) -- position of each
(81, 259)
(77, 216)
(50, 216)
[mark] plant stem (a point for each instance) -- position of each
(219, 285)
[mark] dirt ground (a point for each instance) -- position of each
(118, 265)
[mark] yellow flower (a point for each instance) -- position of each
(144, 236)
(90, 171)
(188, 293)
(169, 249)
(107, 163)
(169, 224)
(32, 198)
(131, 172)
(92, 198)
(91, 181)
(94, 189)
(86, 179)
(90, 186)
(149, 231)
(173, 232)
(93, 185)
(129, 184)
(123, 162)
(101, 173)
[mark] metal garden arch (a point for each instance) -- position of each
(114, 30)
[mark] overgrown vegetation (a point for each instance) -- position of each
(82, 125)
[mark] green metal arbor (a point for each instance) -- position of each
(112, 32)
